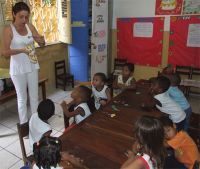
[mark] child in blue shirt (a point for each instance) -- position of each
(177, 95)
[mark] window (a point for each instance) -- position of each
(44, 16)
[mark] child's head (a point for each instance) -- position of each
(167, 70)
(81, 94)
(99, 79)
(127, 69)
(46, 109)
(161, 85)
(149, 133)
(169, 127)
(47, 152)
(174, 78)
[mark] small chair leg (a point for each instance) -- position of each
(56, 84)
(64, 85)
(73, 82)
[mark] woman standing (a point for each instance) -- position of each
(23, 72)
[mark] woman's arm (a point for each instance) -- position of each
(6, 41)
(38, 38)
(67, 157)
(132, 86)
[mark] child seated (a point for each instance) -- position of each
(48, 154)
(165, 72)
(124, 81)
(164, 103)
(100, 91)
(80, 96)
(178, 96)
(186, 152)
(148, 150)
(38, 123)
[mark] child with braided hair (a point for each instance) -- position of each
(47, 154)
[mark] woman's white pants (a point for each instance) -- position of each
(20, 82)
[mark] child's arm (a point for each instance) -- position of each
(132, 86)
(166, 145)
(67, 157)
(103, 102)
(114, 85)
(47, 133)
(71, 114)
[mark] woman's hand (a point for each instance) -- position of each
(39, 39)
(26, 51)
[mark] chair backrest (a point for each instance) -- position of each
(183, 70)
(159, 73)
(23, 130)
(60, 65)
(119, 63)
(195, 135)
(195, 71)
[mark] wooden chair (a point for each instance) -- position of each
(195, 121)
(195, 135)
(184, 70)
(23, 130)
(196, 165)
(195, 72)
(65, 77)
(119, 63)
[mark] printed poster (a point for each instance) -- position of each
(191, 7)
(168, 7)
(143, 30)
(99, 37)
(193, 39)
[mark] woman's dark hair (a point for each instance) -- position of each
(130, 66)
(149, 132)
(47, 152)
(19, 6)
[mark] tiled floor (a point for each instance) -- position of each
(10, 151)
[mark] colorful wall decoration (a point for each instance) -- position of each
(140, 40)
(99, 35)
(168, 7)
(191, 7)
(180, 52)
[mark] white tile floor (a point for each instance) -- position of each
(10, 151)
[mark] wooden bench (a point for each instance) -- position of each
(12, 94)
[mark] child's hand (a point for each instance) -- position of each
(120, 85)
(64, 156)
(63, 104)
(144, 105)
(102, 102)
(129, 154)
(151, 90)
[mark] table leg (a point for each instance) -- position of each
(43, 90)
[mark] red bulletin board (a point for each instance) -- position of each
(179, 52)
(140, 50)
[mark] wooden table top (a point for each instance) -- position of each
(100, 140)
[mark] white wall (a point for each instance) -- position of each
(136, 8)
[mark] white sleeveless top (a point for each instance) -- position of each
(79, 117)
(20, 63)
(99, 95)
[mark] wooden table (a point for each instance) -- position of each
(12, 94)
(100, 140)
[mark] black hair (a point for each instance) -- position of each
(149, 133)
(163, 82)
(130, 66)
(85, 93)
(46, 109)
(19, 6)
(47, 152)
(166, 121)
(102, 76)
(174, 78)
